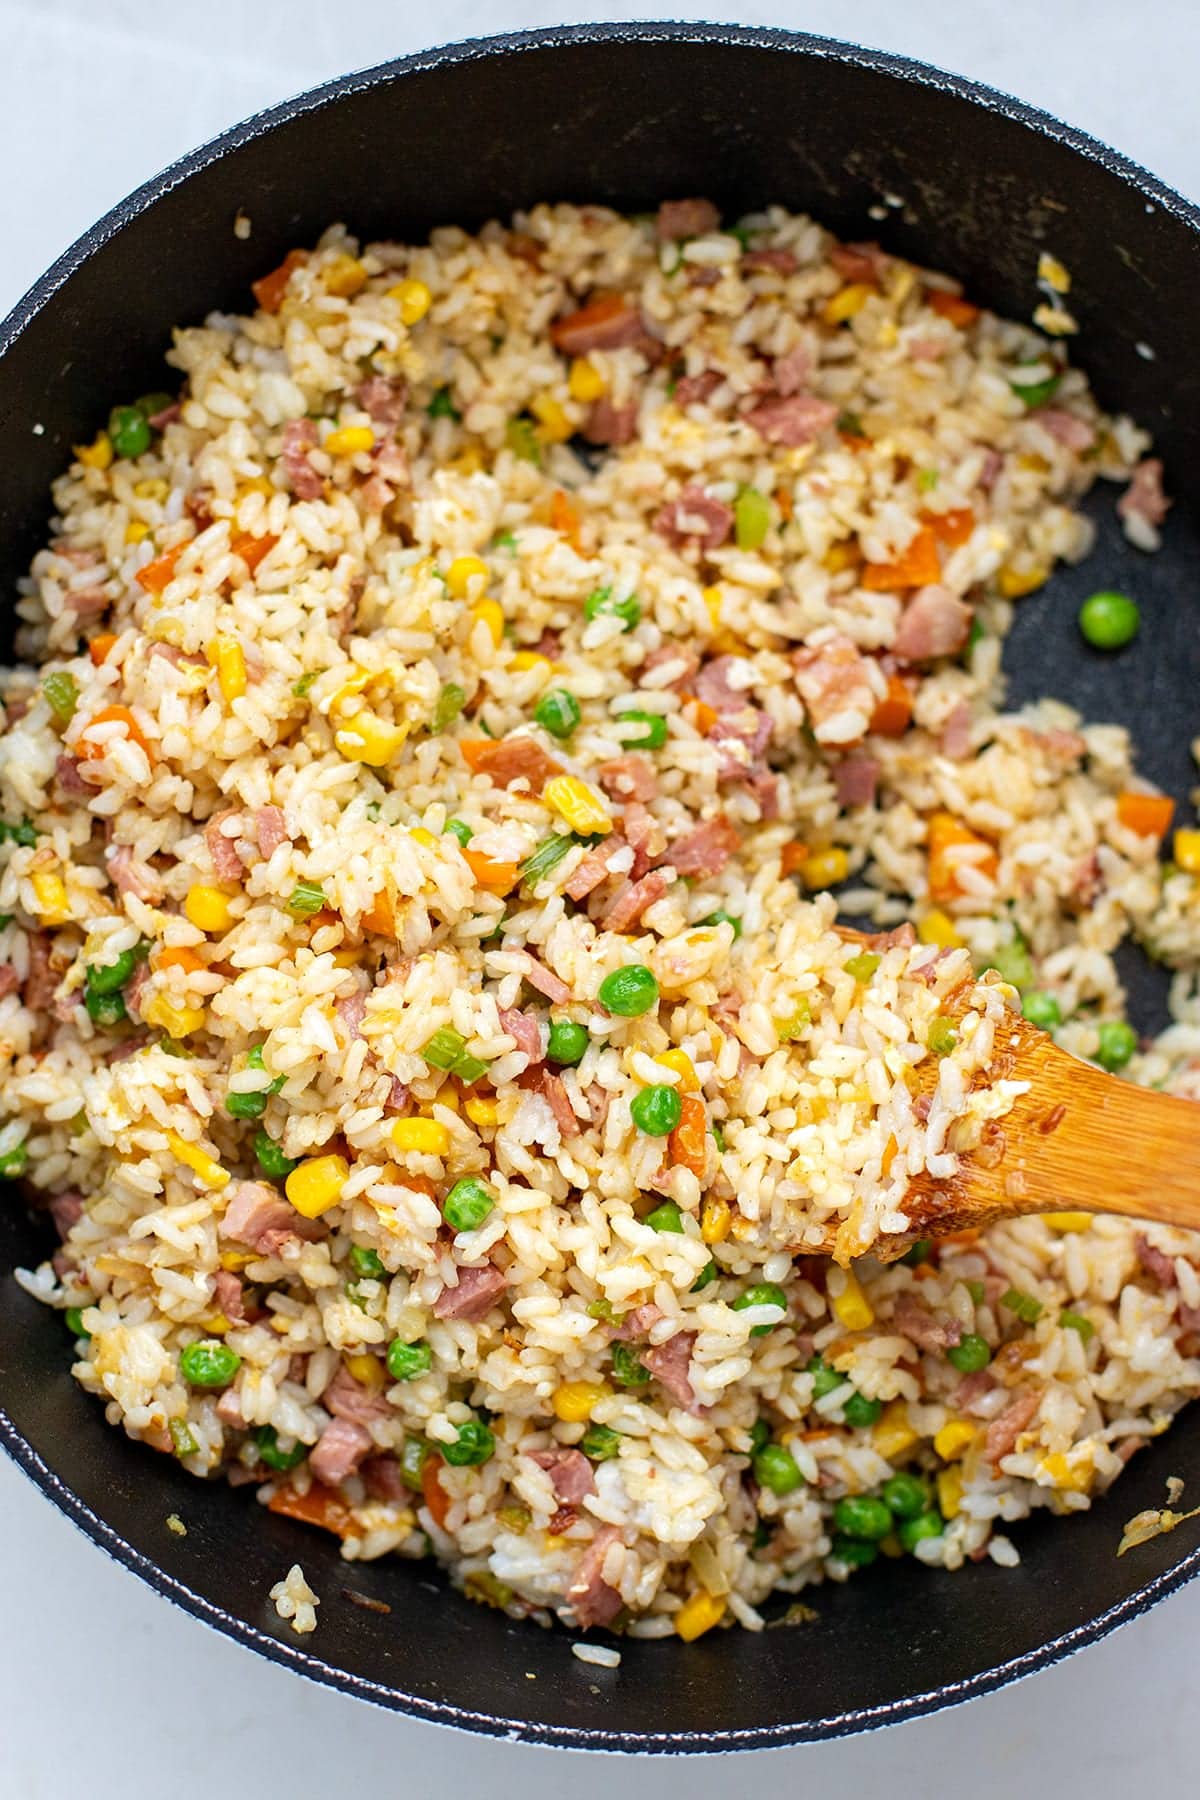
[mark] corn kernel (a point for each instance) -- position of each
(841, 556)
(575, 1401)
(176, 1021)
(681, 1063)
(235, 1260)
(825, 868)
(482, 1113)
(716, 1217)
(367, 1370)
(419, 835)
(554, 427)
(50, 892)
(491, 614)
(344, 275)
(462, 572)
(317, 1184)
(1073, 1475)
(366, 738)
(153, 487)
(413, 298)
(846, 302)
(949, 1491)
(257, 484)
(225, 656)
(206, 1167)
(699, 1614)
(420, 1137)
(893, 1433)
(1055, 274)
(954, 1439)
(468, 461)
(448, 1096)
(1013, 584)
(216, 1324)
(851, 1307)
(585, 382)
(1068, 1221)
(938, 928)
(577, 803)
(530, 659)
(136, 530)
(712, 600)
(96, 455)
(1187, 851)
(351, 440)
(208, 908)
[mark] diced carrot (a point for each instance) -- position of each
(960, 312)
(953, 527)
(87, 750)
(498, 877)
(688, 1143)
(916, 566)
(321, 1506)
(564, 517)
(436, 1497)
(380, 916)
(855, 440)
(893, 715)
(269, 289)
(890, 1151)
(252, 549)
(600, 311)
(475, 752)
(155, 576)
(791, 856)
(100, 646)
(783, 500)
(946, 834)
(178, 958)
(1149, 815)
(699, 713)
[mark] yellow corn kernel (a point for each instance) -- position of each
(208, 908)
(344, 275)
(1013, 584)
(937, 927)
(893, 1432)
(491, 614)
(716, 1217)
(447, 1096)
(949, 1491)
(420, 1137)
(462, 572)
(553, 423)
(1068, 1221)
(351, 440)
(367, 1370)
(575, 1401)
(235, 1260)
(413, 298)
(176, 1021)
(153, 487)
(699, 1614)
(1055, 274)
(50, 892)
(578, 804)
(851, 1307)
(199, 1161)
(954, 1439)
(225, 656)
(585, 382)
(1187, 851)
(257, 484)
(317, 1184)
(554, 1540)
(1073, 1475)
(530, 659)
(681, 1063)
(366, 738)
(842, 556)
(419, 835)
(712, 600)
(468, 461)
(216, 1324)
(742, 1229)
(482, 1113)
(96, 455)
(846, 302)
(824, 868)
(136, 530)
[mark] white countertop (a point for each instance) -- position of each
(106, 1691)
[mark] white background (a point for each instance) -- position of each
(108, 1693)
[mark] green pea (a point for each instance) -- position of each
(925, 1525)
(14, 1162)
(776, 1468)
(856, 1553)
(442, 406)
(129, 431)
(602, 605)
(627, 1369)
(306, 899)
(861, 968)
(760, 1434)
(862, 1516)
(1036, 393)
(473, 1445)
(1109, 620)
(907, 1495)
(629, 992)
(406, 1361)
(656, 1110)
(106, 978)
(861, 1412)
(666, 1217)
(459, 830)
(642, 730)
(763, 1293)
(970, 1354)
(942, 1036)
(708, 1273)
(271, 1159)
(751, 518)
(73, 1318)
(567, 1043)
(366, 1264)
(267, 1439)
(209, 1364)
(1041, 1010)
(1028, 1309)
(412, 1460)
(825, 1379)
(467, 1204)
(600, 1443)
(721, 917)
(558, 712)
(1116, 1043)
(103, 1009)
(1012, 963)
(918, 1252)
(246, 1106)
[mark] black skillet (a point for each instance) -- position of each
(628, 114)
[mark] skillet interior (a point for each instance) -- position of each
(627, 115)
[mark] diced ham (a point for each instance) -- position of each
(902, 936)
(228, 1297)
(592, 328)
(383, 398)
(685, 219)
(714, 684)
(780, 262)
(989, 473)
(398, 1097)
(695, 515)
(934, 623)
(855, 779)
(66, 1210)
(338, 1451)
(632, 899)
(1154, 1261)
(789, 373)
(270, 828)
(740, 739)
(549, 645)
(694, 390)
(973, 1388)
(791, 419)
(1004, 1430)
(516, 759)
(553, 1091)
(589, 1595)
(376, 493)
(669, 1363)
(383, 1481)
(643, 835)
(347, 1398)
(609, 424)
(475, 1293)
(299, 437)
(1066, 427)
(637, 1323)
(955, 741)
(912, 1320)
(1144, 498)
(128, 1046)
(599, 1100)
(41, 983)
(256, 1213)
(545, 981)
(129, 875)
(10, 981)
(591, 870)
(390, 461)
(628, 778)
(524, 1029)
(859, 262)
(166, 416)
(704, 851)
(930, 346)
(834, 682)
(229, 1409)
(70, 779)
(135, 988)
(1189, 1318)
(86, 603)
(226, 862)
(570, 1473)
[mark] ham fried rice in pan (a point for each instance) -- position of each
(438, 731)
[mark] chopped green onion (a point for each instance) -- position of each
(751, 518)
(520, 435)
(627, 1369)
(976, 1291)
(412, 1460)
(721, 917)
(301, 687)
(1073, 1321)
(942, 1036)
(547, 856)
(270, 1453)
(927, 480)
(789, 1029)
(181, 1437)
(604, 1309)
(1036, 393)
(718, 1131)
(443, 1049)
(862, 967)
(22, 834)
(441, 405)
(1026, 1308)
(1012, 963)
(506, 540)
(14, 1163)
(73, 1318)
(600, 1443)
(459, 830)
(306, 899)
(450, 703)
(917, 1253)
(62, 695)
